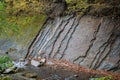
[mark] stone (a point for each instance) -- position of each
(30, 75)
(9, 70)
(87, 41)
(35, 63)
(38, 63)
(42, 61)
(19, 64)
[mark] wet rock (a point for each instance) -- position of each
(20, 64)
(35, 63)
(9, 70)
(91, 46)
(13, 70)
(38, 63)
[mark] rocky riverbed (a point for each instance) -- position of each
(59, 70)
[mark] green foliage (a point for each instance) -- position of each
(102, 78)
(4, 59)
(5, 62)
(78, 6)
(5, 25)
(21, 28)
(2, 11)
(5, 78)
(24, 7)
(28, 27)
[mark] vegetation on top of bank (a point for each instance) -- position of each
(18, 26)
(95, 7)
(35, 7)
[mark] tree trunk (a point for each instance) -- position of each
(92, 42)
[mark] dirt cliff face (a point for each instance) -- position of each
(89, 41)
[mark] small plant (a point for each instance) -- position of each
(5, 62)
(102, 78)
